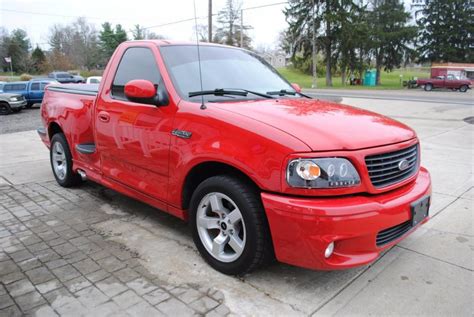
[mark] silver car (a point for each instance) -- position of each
(11, 103)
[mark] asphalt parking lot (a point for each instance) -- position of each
(24, 120)
(92, 251)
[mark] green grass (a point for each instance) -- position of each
(389, 80)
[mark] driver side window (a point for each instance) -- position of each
(136, 63)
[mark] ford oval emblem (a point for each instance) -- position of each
(403, 165)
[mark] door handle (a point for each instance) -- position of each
(104, 116)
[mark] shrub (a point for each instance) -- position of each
(25, 77)
(93, 72)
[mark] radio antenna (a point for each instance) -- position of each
(203, 106)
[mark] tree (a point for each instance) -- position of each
(153, 36)
(38, 59)
(390, 34)
(352, 43)
(110, 38)
(15, 45)
(107, 39)
(307, 17)
(77, 42)
(4, 40)
(202, 31)
(120, 34)
(86, 51)
(447, 31)
(228, 26)
(138, 33)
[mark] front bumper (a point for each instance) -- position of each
(302, 227)
(17, 104)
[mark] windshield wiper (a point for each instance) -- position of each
(233, 91)
(284, 92)
(218, 92)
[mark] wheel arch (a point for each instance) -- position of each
(202, 171)
(54, 128)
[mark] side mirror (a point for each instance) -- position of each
(139, 89)
(296, 87)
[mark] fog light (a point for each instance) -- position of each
(329, 250)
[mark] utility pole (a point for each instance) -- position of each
(314, 84)
(242, 28)
(209, 21)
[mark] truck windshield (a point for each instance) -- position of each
(222, 68)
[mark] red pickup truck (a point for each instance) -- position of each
(259, 169)
(448, 82)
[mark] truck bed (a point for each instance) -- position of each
(81, 89)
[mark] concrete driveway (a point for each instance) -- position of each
(430, 273)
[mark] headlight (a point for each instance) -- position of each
(14, 99)
(322, 173)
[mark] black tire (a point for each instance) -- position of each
(258, 249)
(5, 108)
(463, 88)
(428, 87)
(16, 110)
(28, 105)
(70, 178)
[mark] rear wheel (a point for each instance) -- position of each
(229, 226)
(61, 162)
(5, 108)
(428, 87)
(463, 88)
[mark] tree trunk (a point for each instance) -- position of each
(328, 63)
(328, 67)
(378, 67)
(343, 75)
(328, 48)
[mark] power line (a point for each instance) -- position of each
(265, 5)
(174, 22)
(214, 14)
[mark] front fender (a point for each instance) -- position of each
(256, 149)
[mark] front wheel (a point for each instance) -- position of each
(229, 226)
(428, 87)
(61, 162)
(5, 108)
(463, 88)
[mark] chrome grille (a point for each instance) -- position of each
(384, 169)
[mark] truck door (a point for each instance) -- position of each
(35, 93)
(132, 138)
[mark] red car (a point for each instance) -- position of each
(259, 169)
(448, 82)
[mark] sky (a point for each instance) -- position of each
(266, 22)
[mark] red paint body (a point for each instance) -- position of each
(137, 155)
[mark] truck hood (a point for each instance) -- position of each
(6, 96)
(324, 126)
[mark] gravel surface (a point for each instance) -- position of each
(25, 120)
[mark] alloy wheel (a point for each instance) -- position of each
(221, 227)
(59, 161)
